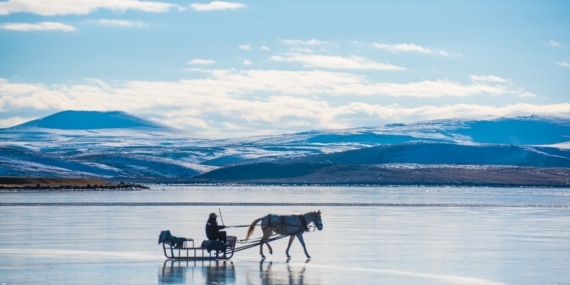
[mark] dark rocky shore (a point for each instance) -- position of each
(362, 174)
(48, 183)
(325, 174)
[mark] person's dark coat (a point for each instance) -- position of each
(213, 230)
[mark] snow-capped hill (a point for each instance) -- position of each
(92, 120)
(448, 153)
(527, 130)
(117, 145)
(524, 130)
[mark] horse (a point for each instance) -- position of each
(292, 225)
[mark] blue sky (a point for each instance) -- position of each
(227, 69)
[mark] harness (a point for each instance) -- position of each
(304, 222)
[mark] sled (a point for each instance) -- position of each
(208, 250)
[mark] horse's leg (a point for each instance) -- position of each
(261, 247)
(300, 237)
(266, 235)
(268, 246)
(265, 239)
(291, 238)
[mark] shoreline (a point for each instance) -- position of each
(379, 175)
(54, 184)
(316, 175)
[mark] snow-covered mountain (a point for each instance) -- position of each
(92, 120)
(119, 146)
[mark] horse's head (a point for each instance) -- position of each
(317, 220)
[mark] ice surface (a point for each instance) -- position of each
(408, 235)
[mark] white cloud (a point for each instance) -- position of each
(247, 62)
(79, 7)
(553, 43)
(525, 94)
(216, 5)
(411, 47)
(395, 48)
(199, 61)
(224, 83)
(311, 42)
(430, 89)
(244, 47)
(476, 110)
(43, 26)
(120, 23)
(230, 103)
(335, 62)
(14, 121)
(489, 78)
(563, 63)
(265, 48)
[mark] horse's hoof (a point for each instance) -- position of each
(263, 257)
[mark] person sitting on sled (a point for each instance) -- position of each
(213, 229)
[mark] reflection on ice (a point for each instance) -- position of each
(220, 273)
(271, 272)
(184, 272)
(172, 273)
(224, 272)
(293, 275)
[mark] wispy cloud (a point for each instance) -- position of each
(244, 47)
(66, 7)
(120, 23)
(199, 61)
(439, 88)
(216, 6)
(553, 43)
(220, 104)
(335, 62)
(563, 63)
(43, 26)
(403, 48)
(411, 47)
(488, 78)
(311, 42)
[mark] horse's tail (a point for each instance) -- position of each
(252, 228)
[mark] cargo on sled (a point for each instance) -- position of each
(184, 248)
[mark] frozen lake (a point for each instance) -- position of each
(371, 235)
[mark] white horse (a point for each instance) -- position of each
(292, 225)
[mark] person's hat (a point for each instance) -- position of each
(213, 215)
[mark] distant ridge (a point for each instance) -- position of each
(90, 120)
(522, 130)
(517, 151)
